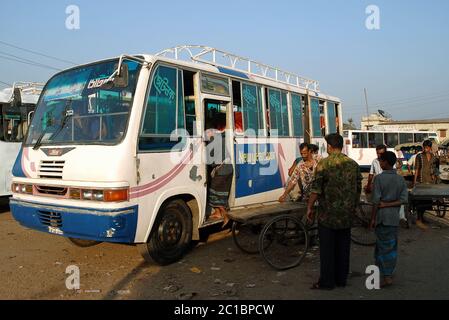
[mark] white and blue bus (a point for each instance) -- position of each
(116, 148)
(16, 108)
(360, 145)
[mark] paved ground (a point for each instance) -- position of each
(33, 266)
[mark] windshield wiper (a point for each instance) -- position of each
(68, 113)
(38, 143)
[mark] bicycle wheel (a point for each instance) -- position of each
(246, 236)
(360, 232)
(283, 242)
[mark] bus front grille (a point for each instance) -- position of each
(51, 190)
(51, 169)
(51, 219)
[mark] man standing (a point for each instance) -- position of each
(425, 173)
(375, 167)
(390, 193)
(337, 186)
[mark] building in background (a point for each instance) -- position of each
(374, 120)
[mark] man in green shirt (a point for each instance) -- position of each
(337, 187)
(426, 167)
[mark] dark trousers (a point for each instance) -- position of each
(335, 246)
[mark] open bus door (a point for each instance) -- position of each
(217, 141)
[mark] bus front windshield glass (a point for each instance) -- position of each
(80, 106)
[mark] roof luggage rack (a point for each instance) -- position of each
(29, 87)
(219, 58)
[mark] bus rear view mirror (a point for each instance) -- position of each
(121, 79)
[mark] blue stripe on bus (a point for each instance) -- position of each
(265, 175)
(233, 73)
(107, 228)
(17, 168)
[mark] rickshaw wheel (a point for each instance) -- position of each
(246, 236)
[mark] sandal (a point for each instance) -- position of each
(225, 221)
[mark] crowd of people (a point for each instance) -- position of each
(332, 187)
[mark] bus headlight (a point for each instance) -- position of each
(22, 188)
(15, 188)
(87, 194)
(98, 195)
(114, 195)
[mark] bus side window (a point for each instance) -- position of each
(332, 118)
(316, 117)
(356, 140)
(163, 101)
(2, 136)
(252, 110)
(237, 105)
(322, 119)
(391, 139)
(337, 117)
(375, 139)
(278, 113)
(189, 101)
(364, 139)
(267, 112)
(298, 116)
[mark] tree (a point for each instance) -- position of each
(349, 125)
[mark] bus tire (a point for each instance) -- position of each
(171, 235)
(83, 243)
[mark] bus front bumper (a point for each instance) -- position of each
(108, 225)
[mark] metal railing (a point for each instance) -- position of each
(219, 58)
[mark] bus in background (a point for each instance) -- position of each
(17, 105)
(116, 150)
(361, 145)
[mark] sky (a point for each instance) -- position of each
(403, 65)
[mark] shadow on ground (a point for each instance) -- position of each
(4, 204)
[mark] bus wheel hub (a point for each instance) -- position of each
(170, 231)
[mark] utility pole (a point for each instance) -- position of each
(367, 110)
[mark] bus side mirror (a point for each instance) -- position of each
(121, 80)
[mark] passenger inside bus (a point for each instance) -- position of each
(219, 166)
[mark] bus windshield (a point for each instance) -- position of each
(78, 106)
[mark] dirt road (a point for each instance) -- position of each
(33, 266)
